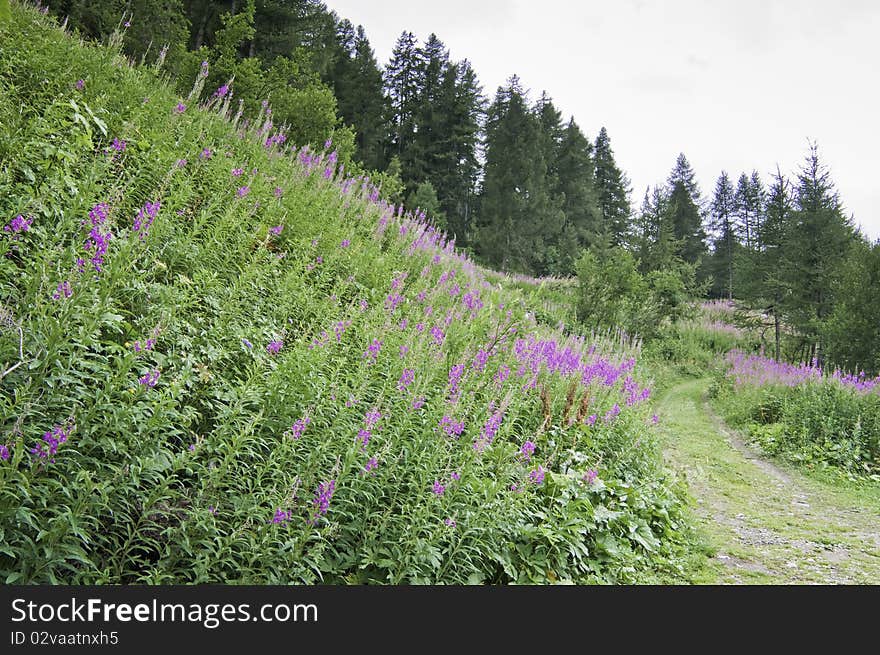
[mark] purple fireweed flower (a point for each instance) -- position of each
(323, 495)
(364, 437)
(480, 360)
(80, 84)
(276, 231)
(118, 145)
(281, 516)
(438, 488)
(237, 172)
(403, 324)
(372, 352)
(278, 191)
(328, 143)
(18, 224)
(206, 153)
(451, 427)
(455, 374)
(372, 417)
(371, 466)
(340, 328)
(150, 379)
(299, 426)
(274, 347)
(392, 301)
(364, 305)
(590, 476)
(345, 243)
(437, 335)
(144, 218)
(655, 419)
(4, 452)
(612, 413)
(52, 439)
(221, 91)
(489, 430)
(591, 420)
(181, 163)
(449, 523)
(242, 191)
(180, 108)
(418, 403)
(527, 450)
(63, 289)
(406, 379)
(537, 476)
(502, 374)
(403, 351)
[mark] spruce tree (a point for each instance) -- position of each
(519, 214)
(722, 211)
(819, 240)
(683, 207)
(576, 186)
(612, 187)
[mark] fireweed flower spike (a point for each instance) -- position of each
(274, 347)
(323, 495)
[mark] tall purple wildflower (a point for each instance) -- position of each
(296, 430)
(18, 224)
(406, 379)
(372, 351)
(323, 495)
(489, 430)
(274, 347)
(52, 439)
(144, 219)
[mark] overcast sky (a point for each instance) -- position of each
(736, 85)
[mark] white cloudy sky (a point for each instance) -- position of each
(734, 85)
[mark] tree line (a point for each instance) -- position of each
(516, 185)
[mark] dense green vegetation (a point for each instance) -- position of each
(226, 360)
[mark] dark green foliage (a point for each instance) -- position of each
(726, 244)
(612, 293)
(683, 207)
(612, 189)
(519, 215)
(852, 332)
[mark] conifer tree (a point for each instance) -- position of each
(819, 239)
(725, 242)
(612, 187)
(519, 214)
(683, 206)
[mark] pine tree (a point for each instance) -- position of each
(461, 108)
(819, 239)
(402, 85)
(519, 215)
(576, 185)
(684, 202)
(613, 191)
(749, 201)
(654, 238)
(725, 243)
(357, 84)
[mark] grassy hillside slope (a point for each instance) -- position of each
(224, 360)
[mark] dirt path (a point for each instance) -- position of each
(763, 522)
